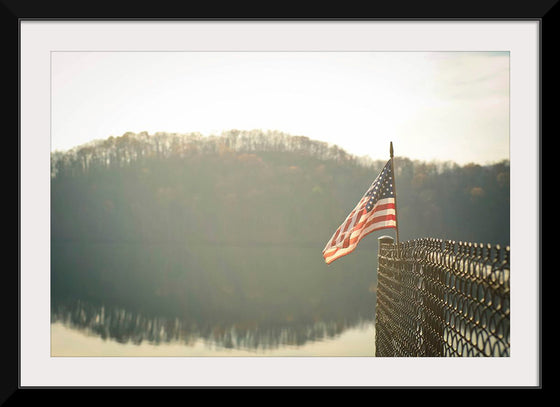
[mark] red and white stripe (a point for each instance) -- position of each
(358, 224)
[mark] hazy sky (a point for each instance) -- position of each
(431, 105)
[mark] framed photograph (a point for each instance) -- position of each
(229, 231)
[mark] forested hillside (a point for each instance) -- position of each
(242, 185)
(232, 227)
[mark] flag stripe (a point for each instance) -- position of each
(333, 241)
(377, 223)
(349, 220)
(375, 216)
(389, 211)
(337, 253)
(387, 221)
(378, 220)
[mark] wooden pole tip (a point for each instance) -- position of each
(391, 149)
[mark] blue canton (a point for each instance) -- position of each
(381, 188)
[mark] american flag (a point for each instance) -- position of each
(376, 210)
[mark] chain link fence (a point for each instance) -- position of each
(440, 298)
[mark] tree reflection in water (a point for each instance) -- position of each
(125, 326)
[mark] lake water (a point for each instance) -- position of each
(358, 341)
(117, 299)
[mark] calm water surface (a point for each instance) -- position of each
(137, 299)
(69, 341)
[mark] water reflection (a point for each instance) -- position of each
(128, 327)
(247, 297)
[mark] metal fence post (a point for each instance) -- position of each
(384, 239)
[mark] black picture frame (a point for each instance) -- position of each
(13, 12)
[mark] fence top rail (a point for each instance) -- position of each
(483, 252)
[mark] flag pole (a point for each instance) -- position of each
(395, 191)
